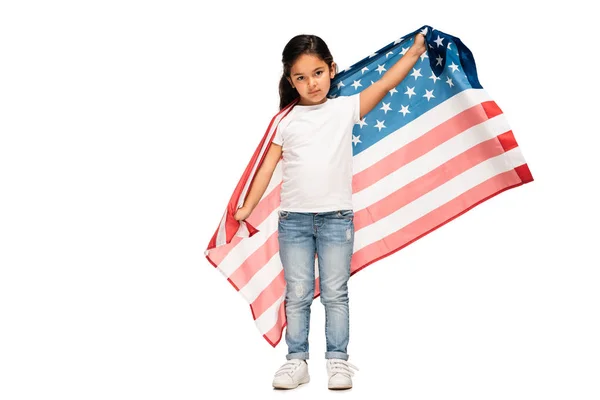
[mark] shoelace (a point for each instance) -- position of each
(340, 366)
(288, 367)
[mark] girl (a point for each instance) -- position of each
(316, 213)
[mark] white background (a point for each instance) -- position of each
(124, 129)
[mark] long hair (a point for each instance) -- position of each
(298, 45)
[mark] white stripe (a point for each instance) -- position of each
(418, 127)
(221, 237)
(268, 319)
(262, 279)
(438, 197)
(242, 230)
(429, 161)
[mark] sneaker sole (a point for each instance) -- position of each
(339, 387)
(292, 386)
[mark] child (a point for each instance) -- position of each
(316, 213)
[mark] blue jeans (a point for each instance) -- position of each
(331, 236)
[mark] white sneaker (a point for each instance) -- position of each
(340, 374)
(291, 374)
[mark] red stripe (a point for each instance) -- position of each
(524, 173)
(255, 261)
(491, 109)
(433, 220)
(268, 296)
(507, 140)
(272, 293)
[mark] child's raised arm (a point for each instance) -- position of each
(260, 183)
(392, 78)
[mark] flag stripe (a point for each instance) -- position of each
(273, 335)
(266, 299)
(270, 316)
(254, 287)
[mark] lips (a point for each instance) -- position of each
(314, 92)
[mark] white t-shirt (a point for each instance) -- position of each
(316, 142)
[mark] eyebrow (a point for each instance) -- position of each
(313, 71)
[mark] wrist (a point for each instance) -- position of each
(415, 51)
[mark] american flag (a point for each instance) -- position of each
(436, 146)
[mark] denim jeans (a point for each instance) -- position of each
(331, 236)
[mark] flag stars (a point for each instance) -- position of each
(340, 84)
(449, 82)
(364, 69)
(428, 94)
(410, 91)
(438, 41)
(356, 140)
(404, 50)
(373, 55)
(386, 107)
(380, 125)
(439, 60)
(388, 53)
(424, 56)
(454, 67)
(362, 122)
(393, 91)
(356, 84)
(416, 73)
(435, 78)
(380, 68)
(404, 110)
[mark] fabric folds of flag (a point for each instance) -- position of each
(436, 146)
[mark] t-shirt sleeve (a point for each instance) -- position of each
(354, 107)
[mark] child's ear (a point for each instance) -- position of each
(333, 69)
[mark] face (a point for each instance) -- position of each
(311, 77)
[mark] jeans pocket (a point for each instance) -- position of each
(283, 214)
(346, 214)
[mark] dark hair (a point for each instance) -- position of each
(298, 45)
